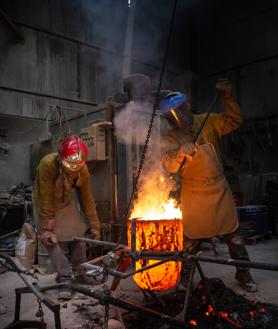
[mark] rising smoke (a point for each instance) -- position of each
(131, 127)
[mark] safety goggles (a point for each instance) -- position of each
(73, 166)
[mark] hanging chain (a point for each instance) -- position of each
(155, 106)
(40, 313)
(106, 308)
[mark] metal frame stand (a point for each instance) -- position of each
(196, 264)
(17, 323)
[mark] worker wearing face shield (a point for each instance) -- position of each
(206, 200)
(65, 207)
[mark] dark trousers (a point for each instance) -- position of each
(62, 264)
(233, 240)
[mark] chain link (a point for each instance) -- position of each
(155, 106)
(106, 308)
(40, 313)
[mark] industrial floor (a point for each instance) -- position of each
(79, 312)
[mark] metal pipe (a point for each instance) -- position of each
(128, 274)
(107, 244)
(14, 232)
(234, 262)
(107, 299)
(133, 240)
(188, 291)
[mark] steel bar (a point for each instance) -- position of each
(182, 254)
(188, 291)
(204, 280)
(14, 232)
(107, 299)
(54, 307)
(125, 275)
(107, 244)
(136, 254)
(133, 241)
(234, 262)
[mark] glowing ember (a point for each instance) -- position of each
(158, 235)
(252, 314)
(193, 323)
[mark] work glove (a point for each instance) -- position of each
(225, 88)
(186, 150)
(47, 235)
(95, 234)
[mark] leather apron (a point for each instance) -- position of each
(207, 203)
(68, 220)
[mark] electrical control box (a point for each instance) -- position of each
(95, 137)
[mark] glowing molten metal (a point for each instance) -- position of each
(157, 230)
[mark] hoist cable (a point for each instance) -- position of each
(155, 106)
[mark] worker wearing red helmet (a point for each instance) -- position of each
(62, 179)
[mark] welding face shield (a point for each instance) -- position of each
(73, 153)
(176, 109)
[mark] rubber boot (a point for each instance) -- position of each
(243, 276)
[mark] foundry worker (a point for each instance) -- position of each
(206, 199)
(61, 188)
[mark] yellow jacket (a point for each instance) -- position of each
(54, 190)
(206, 199)
(217, 125)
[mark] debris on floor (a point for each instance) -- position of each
(233, 310)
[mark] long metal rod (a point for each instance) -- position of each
(106, 299)
(188, 291)
(125, 275)
(198, 133)
(107, 244)
(181, 255)
(239, 263)
(133, 241)
(206, 285)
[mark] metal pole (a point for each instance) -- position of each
(133, 240)
(106, 244)
(234, 262)
(188, 290)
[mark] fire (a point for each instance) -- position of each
(153, 199)
(151, 209)
(158, 228)
(158, 235)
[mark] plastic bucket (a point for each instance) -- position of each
(253, 220)
(44, 261)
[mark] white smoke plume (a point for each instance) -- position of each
(132, 123)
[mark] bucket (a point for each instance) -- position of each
(253, 220)
(44, 261)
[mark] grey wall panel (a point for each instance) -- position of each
(100, 74)
(34, 12)
(238, 43)
(259, 85)
(42, 63)
(100, 23)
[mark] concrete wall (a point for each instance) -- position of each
(238, 39)
(72, 56)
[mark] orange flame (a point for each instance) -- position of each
(153, 199)
(158, 228)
